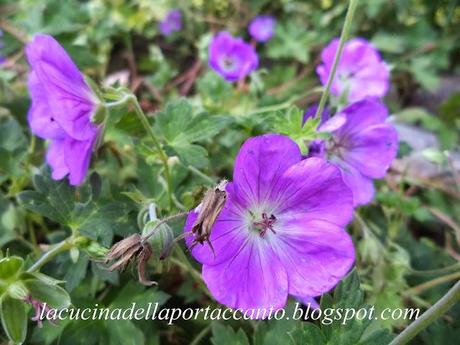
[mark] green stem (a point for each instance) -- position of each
(130, 98)
(436, 311)
(163, 156)
(432, 283)
(50, 254)
(201, 335)
(343, 38)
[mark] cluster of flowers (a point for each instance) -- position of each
(233, 58)
(282, 229)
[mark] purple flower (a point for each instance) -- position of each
(171, 23)
(62, 108)
(231, 57)
(261, 28)
(39, 308)
(362, 144)
(361, 72)
(281, 230)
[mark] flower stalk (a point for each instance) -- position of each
(433, 313)
(131, 99)
(343, 38)
(56, 249)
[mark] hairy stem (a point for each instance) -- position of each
(161, 222)
(343, 38)
(131, 99)
(433, 313)
(50, 254)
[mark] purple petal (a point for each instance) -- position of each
(360, 116)
(307, 300)
(253, 278)
(362, 187)
(361, 72)
(314, 187)
(55, 158)
(40, 116)
(372, 151)
(260, 164)
(77, 156)
(316, 253)
(69, 97)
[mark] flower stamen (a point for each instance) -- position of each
(265, 224)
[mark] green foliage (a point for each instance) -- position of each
(353, 332)
(291, 124)
(80, 210)
(292, 42)
(405, 238)
(181, 129)
(222, 335)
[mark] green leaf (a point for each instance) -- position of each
(291, 124)
(310, 334)
(222, 335)
(348, 294)
(76, 272)
(52, 199)
(124, 332)
(194, 155)
(10, 267)
(181, 129)
(13, 147)
(291, 40)
(14, 319)
(53, 295)
(96, 219)
(378, 337)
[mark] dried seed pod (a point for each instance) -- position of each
(132, 248)
(208, 211)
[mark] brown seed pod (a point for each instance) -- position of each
(131, 249)
(209, 209)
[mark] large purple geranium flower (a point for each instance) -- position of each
(62, 108)
(282, 228)
(362, 144)
(171, 23)
(361, 72)
(231, 57)
(261, 28)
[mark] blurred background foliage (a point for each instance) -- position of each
(408, 239)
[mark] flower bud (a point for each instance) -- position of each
(161, 241)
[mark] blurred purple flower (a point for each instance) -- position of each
(231, 57)
(171, 23)
(261, 28)
(281, 230)
(361, 72)
(62, 108)
(362, 144)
